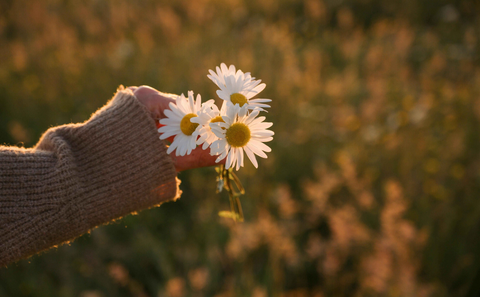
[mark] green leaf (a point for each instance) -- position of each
(230, 215)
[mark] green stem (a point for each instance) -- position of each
(225, 178)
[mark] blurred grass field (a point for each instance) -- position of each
(373, 184)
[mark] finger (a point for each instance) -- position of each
(144, 91)
(155, 101)
(147, 91)
(197, 159)
(132, 88)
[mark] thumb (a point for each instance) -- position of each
(156, 102)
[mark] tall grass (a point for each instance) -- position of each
(373, 185)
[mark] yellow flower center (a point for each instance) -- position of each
(217, 120)
(186, 126)
(238, 98)
(238, 135)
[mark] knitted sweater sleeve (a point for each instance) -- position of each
(80, 176)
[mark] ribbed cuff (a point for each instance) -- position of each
(135, 171)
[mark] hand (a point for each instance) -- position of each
(156, 102)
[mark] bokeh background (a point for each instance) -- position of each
(373, 184)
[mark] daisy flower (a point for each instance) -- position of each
(208, 114)
(223, 71)
(178, 123)
(238, 87)
(241, 132)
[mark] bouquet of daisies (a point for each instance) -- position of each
(231, 131)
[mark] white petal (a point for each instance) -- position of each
(239, 157)
(257, 121)
(205, 145)
(177, 143)
(259, 145)
(168, 134)
(183, 106)
(170, 122)
(260, 126)
(166, 129)
(210, 102)
(172, 115)
(253, 114)
(223, 95)
(191, 101)
(243, 111)
(170, 149)
(260, 100)
(198, 102)
(223, 68)
(173, 145)
(192, 144)
(259, 105)
(201, 139)
(220, 158)
(231, 112)
(259, 88)
(230, 84)
(264, 133)
(251, 156)
(256, 150)
(264, 139)
(196, 120)
(228, 163)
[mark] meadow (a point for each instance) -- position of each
(372, 187)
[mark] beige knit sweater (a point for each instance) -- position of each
(80, 176)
